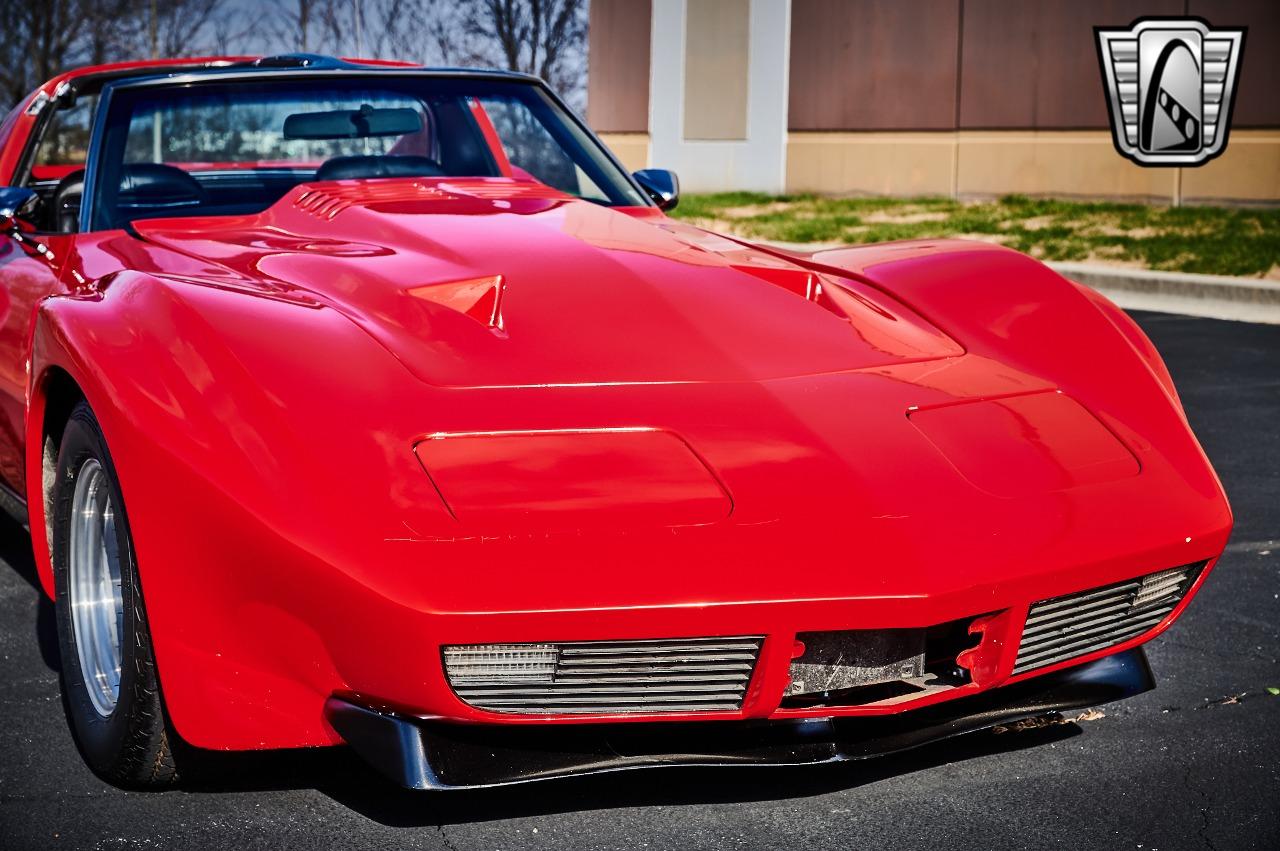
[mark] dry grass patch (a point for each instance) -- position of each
(1190, 239)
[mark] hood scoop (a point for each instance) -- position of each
(861, 307)
(478, 298)
(834, 297)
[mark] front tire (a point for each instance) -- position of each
(109, 684)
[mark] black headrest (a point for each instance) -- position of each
(153, 186)
(363, 167)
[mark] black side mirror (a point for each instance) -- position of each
(662, 186)
(16, 204)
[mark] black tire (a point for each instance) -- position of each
(132, 746)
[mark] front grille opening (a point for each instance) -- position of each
(1074, 625)
(604, 677)
(865, 667)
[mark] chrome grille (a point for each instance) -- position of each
(1066, 627)
(608, 677)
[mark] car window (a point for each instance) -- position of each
(228, 130)
(532, 149)
(64, 147)
(57, 162)
(233, 148)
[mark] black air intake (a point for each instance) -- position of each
(1073, 625)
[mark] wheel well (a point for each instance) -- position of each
(61, 395)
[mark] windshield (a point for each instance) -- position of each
(223, 148)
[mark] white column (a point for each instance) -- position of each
(759, 161)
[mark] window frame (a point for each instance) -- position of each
(91, 215)
(47, 104)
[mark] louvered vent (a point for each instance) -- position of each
(1070, 626)
(328, 202)
(604, 677)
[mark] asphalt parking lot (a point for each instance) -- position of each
(1193, 764)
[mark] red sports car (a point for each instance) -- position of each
(368, 403)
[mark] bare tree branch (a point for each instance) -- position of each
(41, 38)
(542, 37)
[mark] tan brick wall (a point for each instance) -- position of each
(991, 163)
(1249, 170)
(873, 163)
(1065, 163)
(632, 149)
(1062, 162)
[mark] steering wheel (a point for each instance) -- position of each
(66, 202)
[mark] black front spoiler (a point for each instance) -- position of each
(423, 754)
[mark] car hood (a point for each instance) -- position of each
(652, 415)
(490, 283)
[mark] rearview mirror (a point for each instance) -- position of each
(363, 123)
(16, 204)
(661, 185)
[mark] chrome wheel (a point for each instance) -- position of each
(97, 607)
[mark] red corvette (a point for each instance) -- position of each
(351, 402)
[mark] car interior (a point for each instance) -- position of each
(439, 135)
(149, 189)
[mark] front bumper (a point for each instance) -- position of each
(422, 753)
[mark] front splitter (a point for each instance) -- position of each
(422, 754)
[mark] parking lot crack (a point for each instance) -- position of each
(444, 837)
(1203, 830)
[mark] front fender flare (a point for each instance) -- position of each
(242, 428)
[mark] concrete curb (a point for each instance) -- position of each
(1214, 296)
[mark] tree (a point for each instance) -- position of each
(111, 26)
(37, 42)
(542, 37)
(42, 39)
(303, 16)
(546, 38)
(180, 27)
(378, 29)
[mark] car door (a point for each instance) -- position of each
(56, 155)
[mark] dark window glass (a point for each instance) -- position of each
(229, 148)
(66, 140)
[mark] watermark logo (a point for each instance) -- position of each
(1170, 85)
